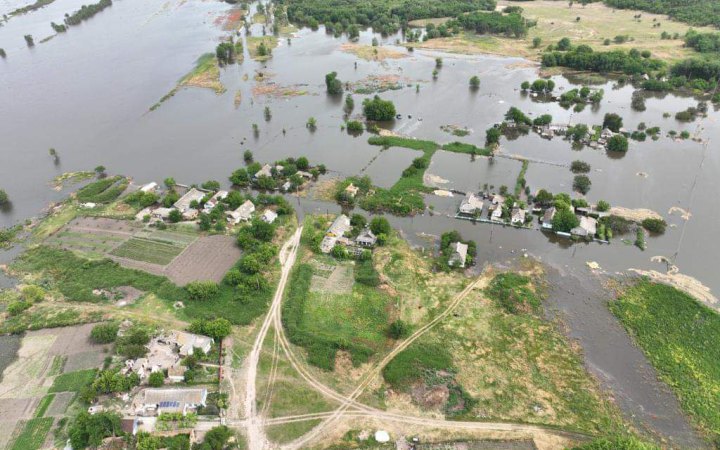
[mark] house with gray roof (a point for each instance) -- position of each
(458, 257)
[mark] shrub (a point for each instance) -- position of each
(32, 293)
(202, 290)
(378, 109)
(104, 333)
(156, 379)
(578, 166)
(654, 225)
(618, 143)
(4, 199)
(513, 293)
(366, 274)
(612, 121)
(603, 206)
(17, 307)
(217, 329)
(399, 329)
(354, 126)
(582, 183)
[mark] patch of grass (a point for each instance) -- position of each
(103, 191)
(43, 405)
(206, 74)
(414, 362)
(289, 431)
(469, 149)
(33, 434)
(324, 322)
(76, 278)
(147, 250)
(253, 44)
(73, 381)
(513, 293)
(520, 182)
(57, 365)
(47, 316)
(397, 141)
(678, 335)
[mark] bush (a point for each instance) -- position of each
(618, 143)
(217, 329)
(354, 126)
(17, 307)
(582, 183)
(603, 206)
(654, 225)
(202, 290)
(379, 109)
(399, 329)
(156, 379)
(414, 362)
(380, 225)
(32, 293)
(366, 274)
(513, 293)
(104, 333)
(4, 199)
(613, 122)
(578, 166)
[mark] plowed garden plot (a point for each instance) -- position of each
(208, 258)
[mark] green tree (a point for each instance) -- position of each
(240, 177)
(399, 329)
(565, 220)
(311, 124)
(613, 122)
(492, 136)
(536, 42)
(156, 379)
(349, 104)
(618, 143)
(603, 206)
(581, 183)
(175, 216)
(654, 225)
(378, 109)
(202, 290)
(525, 85)
(248, 156)
(564, 44)
(89, 430)
(302, 163)
(380, 225)
(104, 333)
(170, 183)
(474, 82)
(333, 85)
(217, 329)
(216, 439)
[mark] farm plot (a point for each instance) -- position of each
(333, 279)
(207, 258)
(93, 237)
(33, 434)
(147, 250)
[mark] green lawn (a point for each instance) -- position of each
(73, 381)
(33, 434)
(680, 337)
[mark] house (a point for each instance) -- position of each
(471, 204)
(150, 187)
(161, 213)
(214, 200)
(286, 186)
(140, 216)
(304, 174)
(242, 214)
(183, 204)
(265, 171)
(498, 199)
(173, 400)
(517, 215)
(340, 226)
(605, 134)
(496, 215)
(327, 244)
(548, 218)
(269, 216)
(459, 254)
(279, 168)
(188, 342)
(366, 238)
(176, 373)
(352, 190)
(587, 227)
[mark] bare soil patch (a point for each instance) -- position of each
(208, 258)
(60, 404)
(12, 410)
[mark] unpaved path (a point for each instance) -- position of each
(255, 432)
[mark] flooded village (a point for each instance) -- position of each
(231, 223)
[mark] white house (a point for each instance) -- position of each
(459, 254)
(265, 171)
(471, 204)
(242, 214)
(269, 216)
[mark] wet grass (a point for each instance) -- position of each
(679, 336)
(33, 434)
(147, 250)
(468, 149)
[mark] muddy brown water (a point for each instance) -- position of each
(87, 93)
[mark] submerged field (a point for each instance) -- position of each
(679, 337)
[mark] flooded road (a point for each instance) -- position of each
(87, 93)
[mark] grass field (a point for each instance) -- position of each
(148, 250)
(679, 337)
(253, 42)
(72, 381)
(206, 74)
(510, 367)
(33, 434)
(43, 405)
(556, 20)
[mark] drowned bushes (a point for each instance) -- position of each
(321, 349)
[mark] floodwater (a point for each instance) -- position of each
(87, 93)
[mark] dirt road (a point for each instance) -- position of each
(255, 432)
